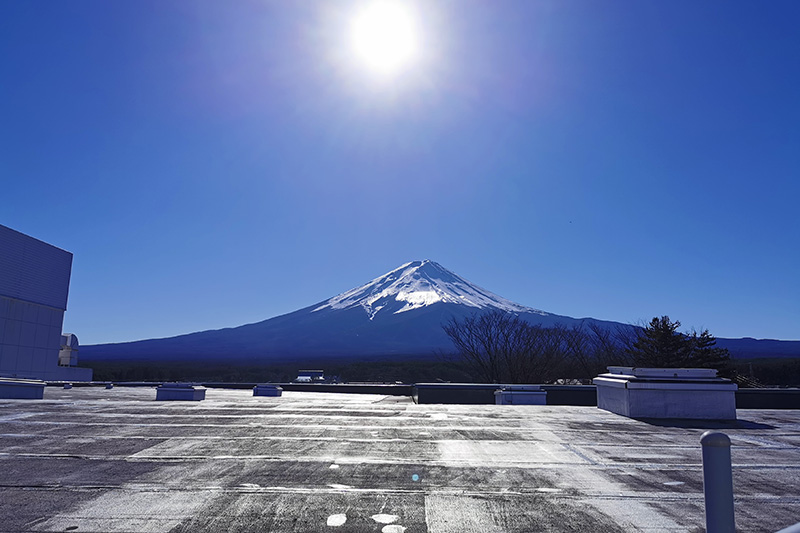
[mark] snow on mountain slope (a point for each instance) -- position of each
(419, 284)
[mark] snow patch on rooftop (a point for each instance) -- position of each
(419, 284)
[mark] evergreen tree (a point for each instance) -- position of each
(705, 353)
(661, 345)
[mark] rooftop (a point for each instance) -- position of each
(91, 459)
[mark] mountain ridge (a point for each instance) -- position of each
(400, 313)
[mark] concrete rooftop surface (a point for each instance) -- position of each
(91, 459)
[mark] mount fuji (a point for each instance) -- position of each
(399, 314)
(417, 285)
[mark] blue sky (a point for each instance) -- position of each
(212, 164)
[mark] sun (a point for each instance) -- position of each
(384, 36)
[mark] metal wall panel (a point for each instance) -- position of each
(32, 270)
(29, 342)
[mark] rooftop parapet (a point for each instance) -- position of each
(21, 389)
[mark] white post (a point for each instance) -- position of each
(718, 482)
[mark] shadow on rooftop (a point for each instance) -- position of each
(705, 424)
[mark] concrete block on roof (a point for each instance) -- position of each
(180, 392)
(265, 389)
(684, 393)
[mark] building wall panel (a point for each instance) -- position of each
(12, 332)
(32, 270)
(42, 335)
(15, 309)
(24, 359)
(39, 360)
(29, 349)
(8, 359)
(34, 285)
(27, 336)
(55, 336)
(30, 314)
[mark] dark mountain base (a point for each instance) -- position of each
(411, 370)
(747, 348)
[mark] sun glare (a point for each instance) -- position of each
(384, 36)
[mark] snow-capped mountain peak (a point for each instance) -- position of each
(419, 284)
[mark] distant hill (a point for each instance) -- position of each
(398, 314)
(749, 348)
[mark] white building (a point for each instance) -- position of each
(34, 284)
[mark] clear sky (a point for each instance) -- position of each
(212, 164)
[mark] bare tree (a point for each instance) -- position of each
(539, 358)
(478, 340)
(581, 352)
(501, 347)
(612, 345)
(589, 348)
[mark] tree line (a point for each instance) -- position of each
(500, 347)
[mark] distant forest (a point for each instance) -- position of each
(767, 372)
(381, 371)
